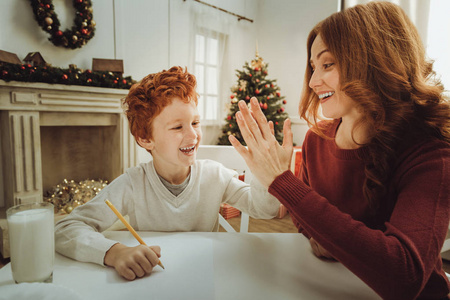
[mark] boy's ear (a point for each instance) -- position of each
(146, 144)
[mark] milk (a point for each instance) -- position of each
(32, 244)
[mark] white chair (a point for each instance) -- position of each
(445, 253)
(446, 246)
(231, 159)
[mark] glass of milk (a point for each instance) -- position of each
(31, 240)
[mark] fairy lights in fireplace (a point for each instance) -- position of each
(69, 194)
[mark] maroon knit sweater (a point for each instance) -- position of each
(396, 253)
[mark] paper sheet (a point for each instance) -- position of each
(189, 273)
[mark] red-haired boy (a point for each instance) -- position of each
(172, 192)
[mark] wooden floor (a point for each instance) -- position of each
(274, 225)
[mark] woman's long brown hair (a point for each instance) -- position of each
(383, 69)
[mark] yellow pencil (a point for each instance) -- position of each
(128, 226)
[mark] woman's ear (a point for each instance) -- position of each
(146, 144)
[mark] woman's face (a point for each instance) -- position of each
(326, 84)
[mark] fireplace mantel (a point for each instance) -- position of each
(26, 107)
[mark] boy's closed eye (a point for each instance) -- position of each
(178, 127)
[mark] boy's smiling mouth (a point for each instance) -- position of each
(187, 150)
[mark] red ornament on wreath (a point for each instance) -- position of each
(284, 101)
(65, 77)
(228, 117)
(232, 96)
(247, 98)
(257, 92)
(81, 32)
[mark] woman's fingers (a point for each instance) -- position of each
(288, 138)
(272, 129)
(248, 117)
(246, 132)
(261, 119)
(238, 146)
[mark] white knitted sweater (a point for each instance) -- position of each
(140, 194)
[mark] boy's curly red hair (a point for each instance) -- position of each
(147, 98)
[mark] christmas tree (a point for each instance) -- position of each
(253, 82)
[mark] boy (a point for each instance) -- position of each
(173, 192)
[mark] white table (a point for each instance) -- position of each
(214, 266)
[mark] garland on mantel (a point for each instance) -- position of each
(70, 76)
(81, 32)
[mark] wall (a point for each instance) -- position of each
(151, 35)
(283, 27)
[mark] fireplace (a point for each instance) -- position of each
(53, 132)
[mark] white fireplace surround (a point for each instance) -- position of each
(30, 111)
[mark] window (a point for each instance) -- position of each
(438, 43)
(207, 71)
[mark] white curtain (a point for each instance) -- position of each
(215, 26)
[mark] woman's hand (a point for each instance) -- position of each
(319, 251)
(263, 155)
(132, 262)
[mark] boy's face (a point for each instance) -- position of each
(176, 135)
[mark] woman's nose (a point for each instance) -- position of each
(315, 80)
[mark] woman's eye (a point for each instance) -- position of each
(195, 123)
(177, 127)
(326, 66)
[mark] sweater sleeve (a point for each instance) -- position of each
(398, 261)
(79, 236)
(253, 199)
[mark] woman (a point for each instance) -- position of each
(374, 188)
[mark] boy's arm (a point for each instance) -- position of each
(253, 199)
(79, 236)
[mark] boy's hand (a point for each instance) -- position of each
(132, 262)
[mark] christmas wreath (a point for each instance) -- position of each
(78, 35)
